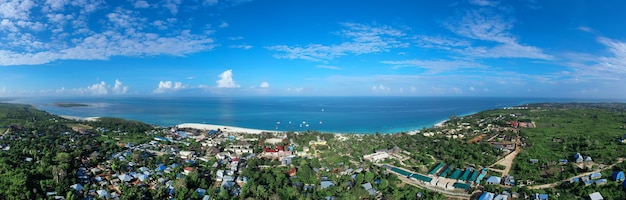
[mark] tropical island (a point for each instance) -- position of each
(69, 105)
(535, 151)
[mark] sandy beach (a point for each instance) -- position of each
(231, 129)
(440, 124)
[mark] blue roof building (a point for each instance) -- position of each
(486, 196)
(618, 176)
(494, 180)
(541, 196)
(578, 158)
(369, 188)
(601, 181)
(596, 175)
(200, 191)
(326, 184)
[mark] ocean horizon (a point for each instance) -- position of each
(365, 115)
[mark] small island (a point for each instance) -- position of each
(69, 105)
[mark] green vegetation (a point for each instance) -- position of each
(59, 146)
(564, 130)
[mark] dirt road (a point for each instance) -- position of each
(507, 161)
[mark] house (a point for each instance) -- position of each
(601, 181)
(563, 161)
(292, 171)
(102, 194)
(578, 158)
(369, 188)
(125, 178)
(541, 196)
(589, 182)
(200, 191)
(326, 184)
(375, 157)
(574, 180)
(588, 159)
(188, 170)
(618, 176)
(486, 196)
(494, 180)
(241, 181)
(534, 161)
(509, 180)
(595, 196)
(219, 175)
(596, 175)
(501, 197)
(77, 187)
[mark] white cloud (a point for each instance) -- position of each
(142, 4)
(265, 84)
(485, 27)
(328, 67)
(209, 2)
(169, 87)
(363, 39)
(380, 88)
(241, 46)
(435, 66)
(610, 67)
(172, 6)
(65, 32)
(586, 29)
(236, 38)
(223, 25)
(226, 80)
(295, 90)
(484, 2)
(119, 87)
(471, 88)
(98, 89)
(16, 9)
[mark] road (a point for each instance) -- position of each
(551, 185)
(507, 161)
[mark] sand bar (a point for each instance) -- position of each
(80, 118)
(231, 129)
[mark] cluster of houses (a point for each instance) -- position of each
(105, 180)
(578, 158)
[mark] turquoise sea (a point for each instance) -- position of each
(327, 114)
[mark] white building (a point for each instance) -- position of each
(375, 157)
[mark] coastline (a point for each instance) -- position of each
(227, 129)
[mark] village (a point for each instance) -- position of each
(182, 162)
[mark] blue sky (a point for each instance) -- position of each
(525, 48)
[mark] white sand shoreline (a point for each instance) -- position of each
(223, 128)
(441, 123)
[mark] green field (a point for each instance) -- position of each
(563, 131)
